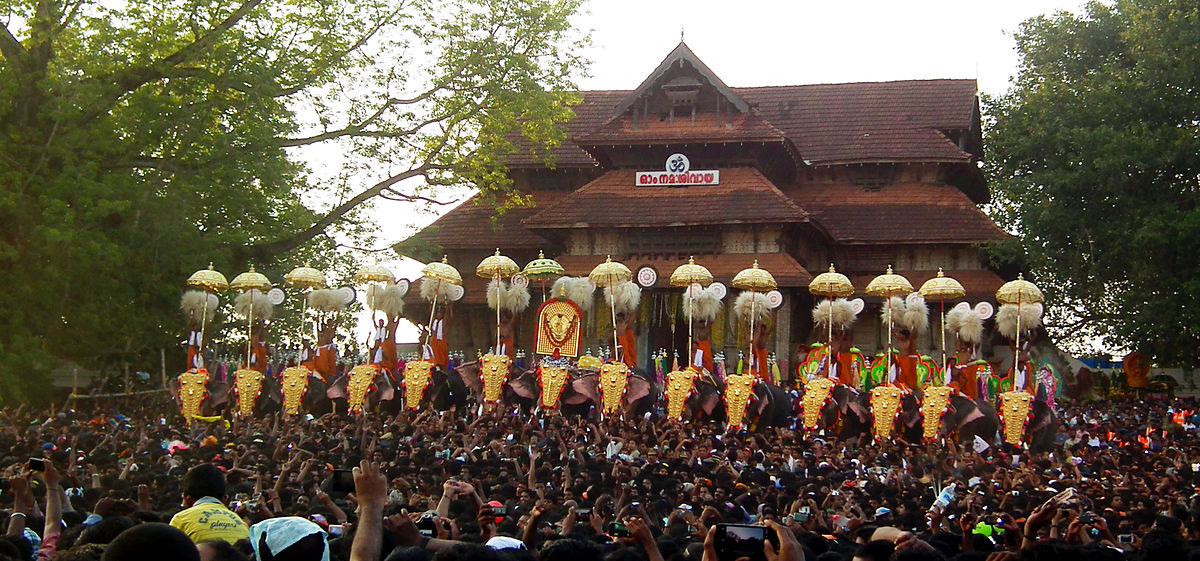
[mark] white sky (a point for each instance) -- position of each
(776, 42)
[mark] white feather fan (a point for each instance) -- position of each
(843, 313)
(512, 297)
(262, 307)
(193, 306)
(705, 302)
(387, 299)
(327, 300)
(576, 289)
(623, 296)
(916, 315)
(429, 286)
(1006, 319)
(742, 307)
(965, 324)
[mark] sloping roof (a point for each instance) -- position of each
(861, 122)
(708, 127)
(980, 284)
(897, 214)
(471, 226)
(785, 269)
(611, 200)
(680, 54)
(597, 107)
(870, 121)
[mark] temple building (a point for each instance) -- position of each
(861, 175)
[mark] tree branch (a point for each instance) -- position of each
(267, 250)
(394, 195)
(133, 78)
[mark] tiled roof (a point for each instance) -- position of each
(470, 226)
(744, 196)
(785, 269)
(870, 121)
(709, 127)
(597, 107)
(859, 122)
(979, 284)
(897, 213)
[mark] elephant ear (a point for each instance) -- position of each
(337, 389)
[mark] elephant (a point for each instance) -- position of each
(847, 413)
(1043, 427)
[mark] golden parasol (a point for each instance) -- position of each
(210, 280)
(374, 273)
(942, 287)
(497, 267)
(608, 274)
(887, 285)
(1019, 292)
(543, 270)
(834, 284)
(754, 279)
(250, 281)
(687, 275)
(305, 278)
(441, 272)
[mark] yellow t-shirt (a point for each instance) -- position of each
(208, 519)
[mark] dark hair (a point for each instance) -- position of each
(105, 531)
(224, 551)
(878, 550)
(569, 549)
(152, 541)
(204, 480)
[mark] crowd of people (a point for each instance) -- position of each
(127, 479)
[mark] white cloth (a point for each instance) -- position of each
(698, 358)
(281, 533)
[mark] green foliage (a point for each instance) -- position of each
(1095, 160)
(141, 140)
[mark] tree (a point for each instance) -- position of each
(1095, 159)
(139, 141)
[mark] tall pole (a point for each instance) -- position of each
(432, 307)
(691, 318)
(753, 304)
(612, 300)
(496, 279)
(943, 314)
(888, 359)
(249, 329)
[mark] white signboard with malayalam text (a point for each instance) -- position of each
(678, 173)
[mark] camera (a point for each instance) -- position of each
(618, 530)
(735, 541)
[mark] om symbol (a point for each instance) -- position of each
(677, 163)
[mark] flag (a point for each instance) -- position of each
(980, 445)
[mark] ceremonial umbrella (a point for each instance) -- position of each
(687, 275)
(834, 284)
(887, 285)
(543, 270)
(1019, 292)
(305, 278)
(209, 280)
(754, 280)
(250, 281)
(441, 272)
(609, 274)
(942, 287)
(377, 277)
(496, 267)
